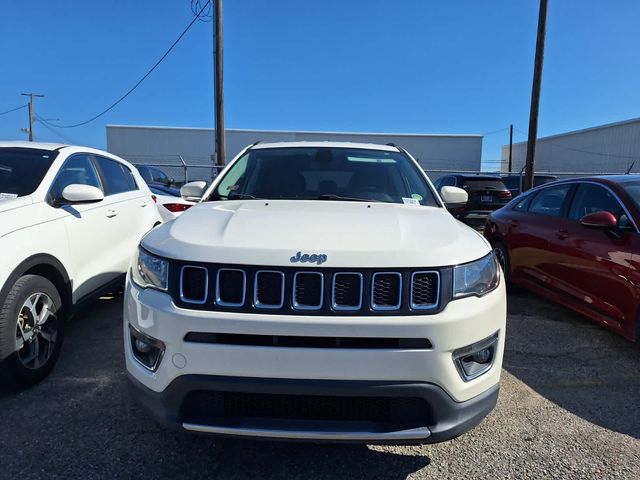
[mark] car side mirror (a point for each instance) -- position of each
(453, 197)
(77, 193)
(600, 220)
(193, 191)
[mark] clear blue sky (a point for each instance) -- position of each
(360, 65)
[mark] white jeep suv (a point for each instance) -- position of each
(69, 219)
(319, 291)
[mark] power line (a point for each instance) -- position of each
(198, 11)
(495, 131)
(15, 109)
(195, 19)
(66, 139)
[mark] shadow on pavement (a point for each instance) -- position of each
(575, 363)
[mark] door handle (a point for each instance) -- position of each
(143, 204)
(562, 234)
(111, 213)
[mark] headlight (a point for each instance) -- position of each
(149, 271)
(476, 278)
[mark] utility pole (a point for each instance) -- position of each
(510, 146)
(31, 96)
(535, 96)
(217, 82)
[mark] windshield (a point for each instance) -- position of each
(325, 174)
(484, 184)
(633, 190)
(22, 170)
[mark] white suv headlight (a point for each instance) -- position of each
(149, 271)
(476, 278)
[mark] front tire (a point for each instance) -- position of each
(31, 332)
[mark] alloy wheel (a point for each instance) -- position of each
(36, 330)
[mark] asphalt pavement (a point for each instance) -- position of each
(569, 407)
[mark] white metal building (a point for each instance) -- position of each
(165, 145)
(610, 148)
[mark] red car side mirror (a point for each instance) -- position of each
(600, 220)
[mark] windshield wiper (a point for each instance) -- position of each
(243, 196)
(330, 196)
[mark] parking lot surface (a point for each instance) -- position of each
(569, 407)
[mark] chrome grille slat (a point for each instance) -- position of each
(186, 296)
(299, 293)
(219, 293)
(386, 293)
(425, 289)
(343, 293)
(259, 289)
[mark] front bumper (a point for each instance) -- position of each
(442, 419)
(450, 405)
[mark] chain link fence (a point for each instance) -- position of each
(180, 169)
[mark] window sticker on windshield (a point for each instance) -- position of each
(8, 196)
(410, 201)
(232, 188)
(417, 196)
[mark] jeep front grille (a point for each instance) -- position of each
(386, 293)
(298, 291)
(231, 286)
(347, 291)
(308, 290)
(424, 290)
(268, 291)
(194, 284)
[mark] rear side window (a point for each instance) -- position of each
(158, 176)
(549, 200)
(591, 198)
(117, 177)
(511, 182)
(77, 170)
(484, 184)
(523, 204)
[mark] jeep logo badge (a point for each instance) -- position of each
(318, 259)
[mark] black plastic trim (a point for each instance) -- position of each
(445, 417)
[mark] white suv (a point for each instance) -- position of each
(320, 291)
(69, 219)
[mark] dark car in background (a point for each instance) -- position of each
(514, 182)
(487, 193)
(576, 242)
(154, 175)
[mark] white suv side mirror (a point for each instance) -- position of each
(453, 196)
(193, 191)
(78, 193)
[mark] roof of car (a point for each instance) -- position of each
(326, 144)
(619, 178)
(25, 144)
(471, 176)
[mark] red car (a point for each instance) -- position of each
(577, 243)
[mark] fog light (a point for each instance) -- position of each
(476, 359)
(147, 351)
(483, 356)
(142, 346)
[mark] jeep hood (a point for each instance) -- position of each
(350, 234)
